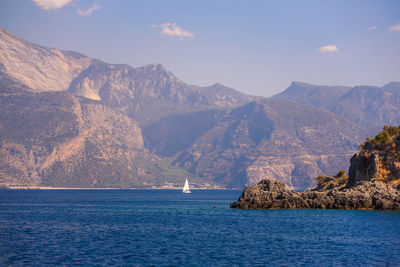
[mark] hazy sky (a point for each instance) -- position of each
(257, 47)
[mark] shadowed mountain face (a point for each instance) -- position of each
(368, 105)
(177, 133)
(268, 138)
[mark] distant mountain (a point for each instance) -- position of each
(176, 133)
(392, 86)
(368, 105)
(268, 138)
(314, 95)
(371, 106)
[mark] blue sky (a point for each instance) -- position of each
(257, 47)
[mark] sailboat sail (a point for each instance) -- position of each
(186, 187)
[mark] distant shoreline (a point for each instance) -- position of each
(104, 188)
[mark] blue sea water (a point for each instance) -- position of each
(166, 227)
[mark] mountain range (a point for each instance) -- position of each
(370, 106)
(68, 120)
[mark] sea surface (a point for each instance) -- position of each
(166, 227)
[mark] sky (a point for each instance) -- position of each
(258, 47)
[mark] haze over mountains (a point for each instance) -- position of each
(72, 121)
(367, 105)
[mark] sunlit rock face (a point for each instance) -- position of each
(39, 68)
(55, 139)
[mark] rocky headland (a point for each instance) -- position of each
(373, 182)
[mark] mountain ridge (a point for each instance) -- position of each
(145, 127)
(372, 106)
(265, 137)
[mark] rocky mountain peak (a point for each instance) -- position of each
(157, 71)
(40, 68)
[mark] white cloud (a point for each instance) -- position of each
(328, 49)
(372, 28)
(395, 28)
(89, 11)
(51, 4)
(171, 29)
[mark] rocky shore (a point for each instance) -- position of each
(272, 194)
(373, 182)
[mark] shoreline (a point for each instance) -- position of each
(104, 188)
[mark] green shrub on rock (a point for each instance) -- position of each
(340, 173)
(384, 137)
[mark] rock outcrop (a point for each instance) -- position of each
(273, 194)
(373, 183)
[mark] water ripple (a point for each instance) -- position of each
(163, 227)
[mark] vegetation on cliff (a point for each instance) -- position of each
(386, 140)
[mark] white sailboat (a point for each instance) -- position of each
(186, 187)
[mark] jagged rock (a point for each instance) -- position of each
(273, 194)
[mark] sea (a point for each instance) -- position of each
(168, 228)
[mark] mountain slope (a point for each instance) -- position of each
(371, 106)
(314, 95)
(69, 120)
(368, 105)
(56, 139)
(176, 133)
(50, 138)
(150, 92)
(39, 68)
(145, 94)
(268, 138)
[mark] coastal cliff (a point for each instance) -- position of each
(373, 182)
